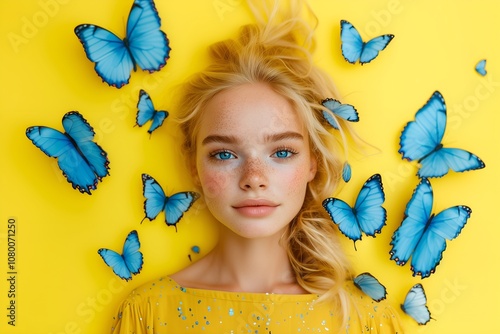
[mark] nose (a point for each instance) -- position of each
(253, 175)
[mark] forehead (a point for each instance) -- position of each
(249, 109)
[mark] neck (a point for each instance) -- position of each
(252, 265)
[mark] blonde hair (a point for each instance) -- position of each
(278, 51)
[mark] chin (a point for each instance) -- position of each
(257, 231)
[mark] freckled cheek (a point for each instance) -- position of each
(294, 187)
(298, 177)
(214, 183)
(297, 183)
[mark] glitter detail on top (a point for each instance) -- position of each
(164, 306)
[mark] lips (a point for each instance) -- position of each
(255, 208)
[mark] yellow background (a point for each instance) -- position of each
(63, 286)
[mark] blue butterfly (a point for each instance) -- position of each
(421, 141)
(129, 262)
(156, 201)
(422, 235)
(345, 111)
(145, 45)
(346, 172)
(353, 47)
(146, 112)
(415, 305)
(367, 283)
(367, 216)
(481, 67)
(81, 160)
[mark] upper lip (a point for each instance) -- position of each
(254, 202)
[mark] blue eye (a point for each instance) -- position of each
(224, 155)
(282, 154)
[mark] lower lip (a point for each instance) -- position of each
(256, 211)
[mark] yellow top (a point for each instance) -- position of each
(163, 306)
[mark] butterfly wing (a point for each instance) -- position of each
(82, 134)
(421, 140)
(367, 216)
(131, 255)
(352, 43)
(130, 262)
(155, 197)
(415, 305)
(372, 48)
(331, 119)
(148, 45)
(177, 205)
(481, 67)
(345, 111)
(50, 141)
(77, 168)
(158, 119)
(116, 262)
(343, 215)
(370, 213)
(55, 144)
(346, 172)
(145, 108)
(417, 214)
(112, 59)
(147, 112)
(423, 135)
(442, 160)
(367, 283)
(156, 201)
(446, 225)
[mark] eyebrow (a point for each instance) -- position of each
(268, 138)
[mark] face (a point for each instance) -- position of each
(253, 160)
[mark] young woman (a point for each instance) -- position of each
(264, 160)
